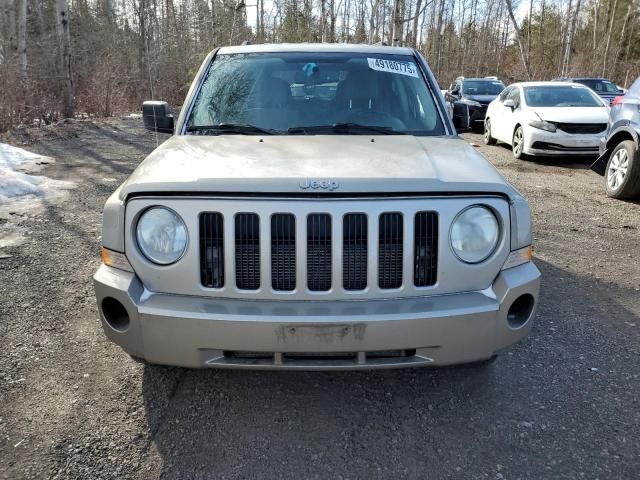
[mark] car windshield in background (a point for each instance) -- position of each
(599, 86)
(302, 93)
(482, 87)
(561, 96)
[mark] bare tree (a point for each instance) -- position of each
(398, 20)
(414, 36)
(9, 27)
(569, 45)
(22, 40)
(596, 5)
(529, 31)
(605, 56)
(622, 32)
(64, 36)
(261, 32)
(520, 39)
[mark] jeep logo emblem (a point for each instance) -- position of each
(315, 184)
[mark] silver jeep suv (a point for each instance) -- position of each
(314, 209)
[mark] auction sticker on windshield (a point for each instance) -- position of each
(392, 66)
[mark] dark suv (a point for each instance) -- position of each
(474, 93)
(619, 159)
(606, 89)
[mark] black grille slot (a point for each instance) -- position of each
(247, 241)
(354, 251)
(562, 148)
(283, 252)
(390, 237)
(319, 252)
(582, 127)
(211, 250)
(426, 249)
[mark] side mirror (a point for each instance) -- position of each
(157, 116)
(509, 103)
(461, 117)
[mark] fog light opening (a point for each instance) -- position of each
(520, 311)
(115, 314)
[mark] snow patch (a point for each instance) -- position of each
(23, 194)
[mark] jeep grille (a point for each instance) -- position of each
(281, 248)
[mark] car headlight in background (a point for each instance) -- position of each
(474, 234)
(471, 103)
(543, 125)
(162, 235)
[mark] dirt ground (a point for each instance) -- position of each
(562, 404)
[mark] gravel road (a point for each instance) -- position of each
(563, 404)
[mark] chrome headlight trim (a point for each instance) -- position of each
(487, 252)
(143, 243)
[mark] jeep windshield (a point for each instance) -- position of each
(306, 93)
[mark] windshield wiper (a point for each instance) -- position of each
(344, 128)
(232, 128)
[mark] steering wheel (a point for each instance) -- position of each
(366, 116)
(372, 117)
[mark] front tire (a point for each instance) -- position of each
(488, 139)
(622, 175)
(517, 144)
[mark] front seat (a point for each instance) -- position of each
(361, 99)
(356, 92)
(271, 107)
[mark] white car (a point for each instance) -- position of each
(547, 118)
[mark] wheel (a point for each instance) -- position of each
(488, 139)
(622, 175)
(517, 144)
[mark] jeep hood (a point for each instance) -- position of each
(279, 164)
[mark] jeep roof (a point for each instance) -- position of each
(316, 47)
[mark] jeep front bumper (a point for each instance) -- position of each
(316, 335)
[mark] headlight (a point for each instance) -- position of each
(542, 125)
(474, 234)
(471, 103)
(162, 235)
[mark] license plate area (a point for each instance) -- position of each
(321, 336)
(581, 142)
